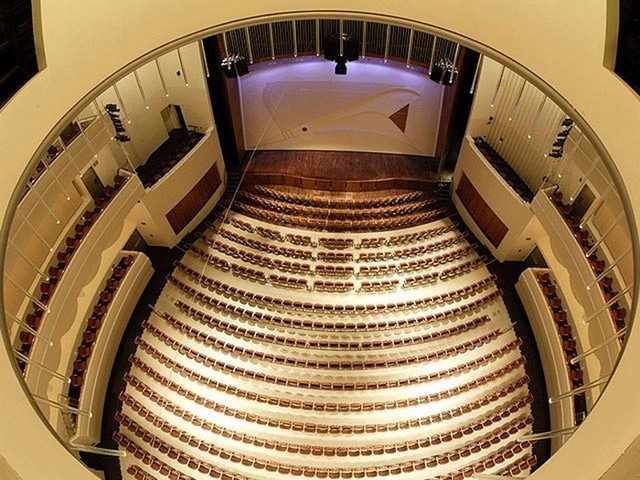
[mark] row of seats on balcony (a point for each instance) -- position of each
(562, 325)
(94, 323)
(373, 200)
(377, 324)
(509, 410)
(233, 328)
(504, 170)
(289, 424)
(336, 214)
(474, 448)
(55, 272)
(275, 302)
(329, 224)
(583, 237)
(193, 376)
(167, 157)
(251, 354)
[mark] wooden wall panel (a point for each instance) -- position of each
(485, 218)
(187, 208)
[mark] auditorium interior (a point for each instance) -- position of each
(264, 241)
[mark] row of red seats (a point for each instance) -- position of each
(564, 329)
(256, 244)
(376, 242)
(378, 285)
(332, 286)
(312, 427)
(234, 329)
(390, 323)
(253, 258)
(451, 272)
(504, 170)
(501, 456)
(194, 376)
(336, 243)
(474, 448)
(251, 354)
(269, 233)
(289, 282)
(412, 251)
(336, 225)
(414, 265)
(370, 242)
(335, 257)
(618, 313)
(377, 200)
(47, 288)
(337, 214)
(302, 240)
(499, 415)
(323, 270)
(94, 323)
(280, 303)
(504, 432)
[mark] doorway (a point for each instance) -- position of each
(93, 183)
(173, 118)
(583, 201)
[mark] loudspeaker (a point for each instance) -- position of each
(350, 48)
(331, 47)
(436, 74)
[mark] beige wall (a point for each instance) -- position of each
(86, 42)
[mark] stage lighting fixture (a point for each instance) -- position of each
(234, 66)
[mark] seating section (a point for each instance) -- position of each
(167, 156)
(574, 372)
(94, 322)
(599, 265)
(341, 215)
(275, 352)
(61, 259)
(504, 170)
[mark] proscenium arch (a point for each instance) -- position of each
(291, 15)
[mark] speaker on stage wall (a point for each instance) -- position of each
(436, 73)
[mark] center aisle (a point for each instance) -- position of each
(311, 334)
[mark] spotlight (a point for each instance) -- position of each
(341, 66)
(444, 71)
(234, 66)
